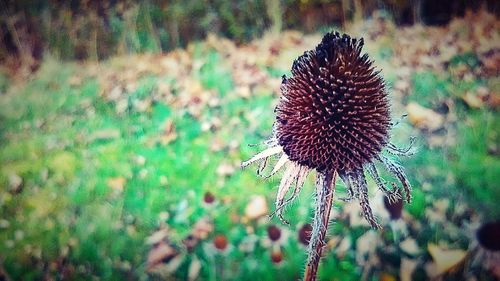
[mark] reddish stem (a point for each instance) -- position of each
(324, 192)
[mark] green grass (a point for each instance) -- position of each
(66, 204)
(476, 162)
(66, 143)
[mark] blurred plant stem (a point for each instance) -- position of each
(275, 13)
(325, 188)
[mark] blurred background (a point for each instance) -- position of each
(123, 125)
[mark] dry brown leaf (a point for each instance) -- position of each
(158, 254)
(410, 246)
(157, 237)
(472, 100)
(493, 100)
(424, 118)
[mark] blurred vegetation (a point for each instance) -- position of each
(97, 159)
(98, 29)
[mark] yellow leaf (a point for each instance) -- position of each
(445, 259)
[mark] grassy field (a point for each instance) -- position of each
(107, 169)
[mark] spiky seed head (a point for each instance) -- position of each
(334, 112)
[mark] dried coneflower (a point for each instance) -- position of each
(489, 250)
(208, 198)
(220, 242)
(333, 117)
(277, 256)
(394, 207)
(273, 232)
(304, 234)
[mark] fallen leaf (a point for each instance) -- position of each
(225, 170)
(161, 252)
(243, 91)
(407, 268)
(445, 259)
(257, 207)
(441, 205)
(472, 100)
(410, 246)
(366, 245)
(424, 118)
(353, 212)
(493, 100)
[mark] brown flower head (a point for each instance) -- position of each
(304, 233)
(334, 113)
(273, 232)
(487, 236)
(208, 197)
(333, 116)
(220, 242)
(277, 256)
(488, 252)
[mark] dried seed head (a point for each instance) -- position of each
(334, 113)
(305, 233)
(276, 256)
(488, 234)
(208, 197)
(274, 233)
(220, 242)
(394, 207)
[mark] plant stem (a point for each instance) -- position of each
(325, 188)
